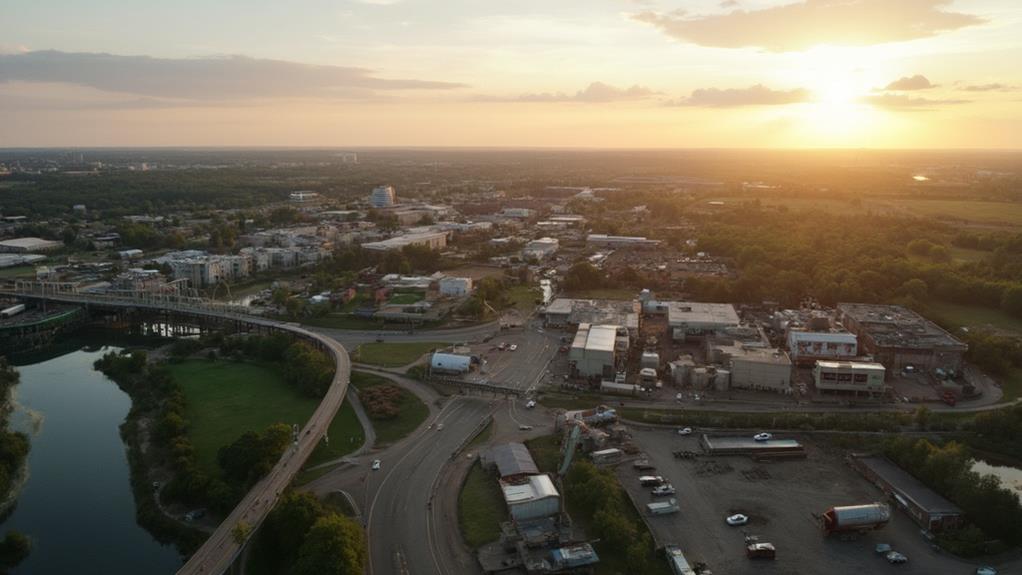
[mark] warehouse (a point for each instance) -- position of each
(27, 245)
(512, 461)
(567, 312)
(694, 318)
(534, 498)
(849, 377)
(925, 506)
(746, 445)
(756, 368)
(594, 351)
(899, 337)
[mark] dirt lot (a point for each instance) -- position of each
(781, 499)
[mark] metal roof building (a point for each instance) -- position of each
(533, 499)
(925, 506)
(694, 318)
(511, 460)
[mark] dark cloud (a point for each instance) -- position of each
(758, 95)
(902, 101)
(905, 83)
(219, 78)
(808, 23)
(989, 88)
(594, 93)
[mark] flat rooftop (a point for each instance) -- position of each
(738, 443)
(897, 326)
(596, 311)
(723, 314)
(908, 486)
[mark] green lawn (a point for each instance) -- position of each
(966, 255)
(1011, 385)
(523, 298)
(225, 399)
(394, 354)
(17, 272)
(480, 507)
(972, 316)
(412, 411)
(1009, 213)
(405, 298)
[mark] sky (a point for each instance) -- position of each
(528, 73)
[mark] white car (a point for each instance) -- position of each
(737, 519)
(513, 347)
(662, 490)
(986, 571)
(530, 404)
(685, 431)
(762, 437)
(525, 428)
(439, 427)
(896, 558)
(376, 465)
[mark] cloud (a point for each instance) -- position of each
(989, 88)
(758, 95)
(801, 25)
(596, 92)
(207, 79)
(917, 82)
(903, 101)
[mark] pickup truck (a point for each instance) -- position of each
(650, 480)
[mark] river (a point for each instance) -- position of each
(1011, 477)
(77, 504)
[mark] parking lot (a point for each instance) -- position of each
(780, 499)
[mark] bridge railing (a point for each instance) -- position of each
(73, 292)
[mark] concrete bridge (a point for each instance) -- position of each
(221, 549)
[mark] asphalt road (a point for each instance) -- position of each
(352, 338)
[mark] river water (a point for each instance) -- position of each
(77, 504)
(1011, 477)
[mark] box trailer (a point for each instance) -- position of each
(663, 507)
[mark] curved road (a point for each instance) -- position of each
(219, 551)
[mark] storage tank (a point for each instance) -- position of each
(699, 377)
(450, 363)
(650, 359)
(856, 518)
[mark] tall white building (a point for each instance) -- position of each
(382, 197)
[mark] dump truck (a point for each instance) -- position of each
(855, 518)
(663, 507)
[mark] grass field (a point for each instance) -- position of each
(226, 399)
(523, 298)
(974, 317)
(973, 211)
(17, 272)
(965, 255)
(405, 298)
(394, 354)
(412, 411)
(480, 507)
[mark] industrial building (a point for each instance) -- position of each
(382, 197)
(532, 498)
(540, 249)
(695, 319)
(302, 196)
(455, 287)
(511, 460)
(899, 337)
(620, 242)
(431, 240)
(595, 349)
(807, 346)
(849, 377)
(565, 312)
(746, 445)
(27, 245)
(756, 368)
(925, 506)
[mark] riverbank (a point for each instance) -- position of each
(14, 445)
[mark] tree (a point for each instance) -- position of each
(291, 519)
(14, 548)
(915, 288)
(335, 545)
(241, 532)
(1011, 301)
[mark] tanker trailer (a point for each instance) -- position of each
(855, 518)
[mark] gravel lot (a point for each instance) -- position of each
(781, 499)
